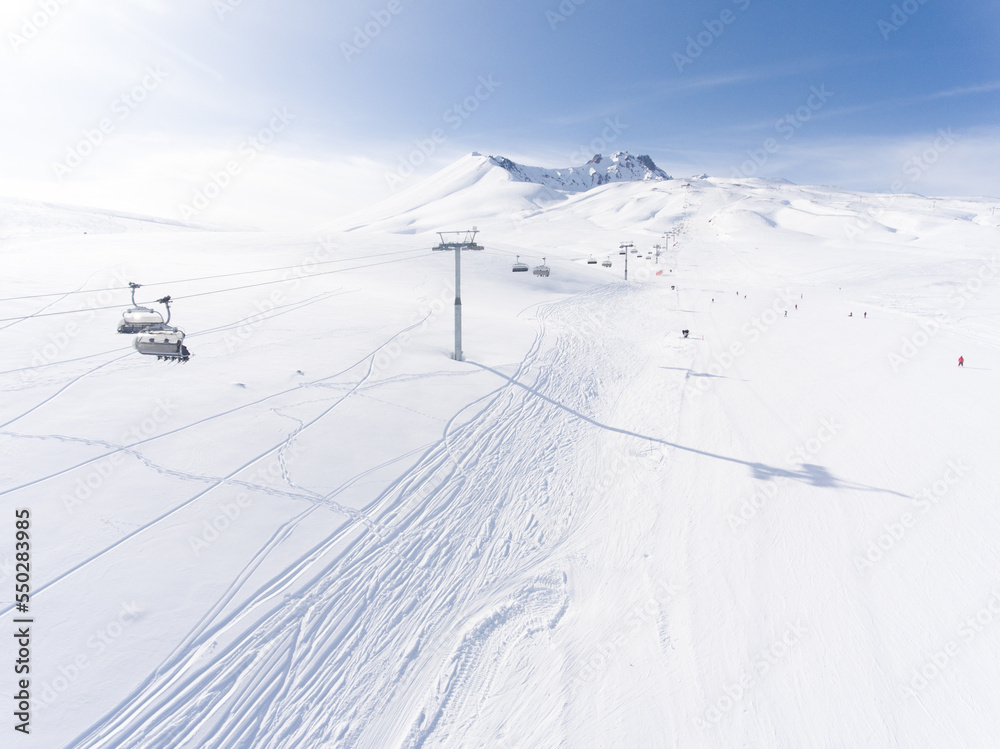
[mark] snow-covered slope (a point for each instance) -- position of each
(18, 217)
(322, 531)
(489, 188)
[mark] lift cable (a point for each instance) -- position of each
(216, 291)
(206, 278)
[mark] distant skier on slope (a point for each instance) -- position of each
(961, 361)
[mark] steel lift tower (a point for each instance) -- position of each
(458, 241)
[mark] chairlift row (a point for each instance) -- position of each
(154, 335)
(538, 270)
(543, 270)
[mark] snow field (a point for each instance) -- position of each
(322, 531)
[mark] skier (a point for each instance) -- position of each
(866, 315)
(786, 313)
(961, 361)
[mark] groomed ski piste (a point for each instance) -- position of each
(323, 531)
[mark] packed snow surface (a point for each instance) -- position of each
(779, 530)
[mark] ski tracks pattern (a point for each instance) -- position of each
(413, 614)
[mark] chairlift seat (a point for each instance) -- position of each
(138, 319)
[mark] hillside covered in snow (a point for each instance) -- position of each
(777, 529)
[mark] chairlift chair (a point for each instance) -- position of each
(541, 270)
(592, 260)
(137, 319)
(519, 267)
(165, 345)
(607, 263)
(163, 342)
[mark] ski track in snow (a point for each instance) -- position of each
(216, 483)
(411, 592)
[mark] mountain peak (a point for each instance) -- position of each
(620, 166)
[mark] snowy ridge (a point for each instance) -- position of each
(621, 166)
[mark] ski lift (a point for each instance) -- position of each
(634, 250)
(165, 345)
(519, 267)
(622, 251)
(541, 270)
(592, 260)
(163, 342)
(137, 319)
(607, 263)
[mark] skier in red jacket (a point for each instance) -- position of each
(961, 361)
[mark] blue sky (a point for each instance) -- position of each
(305, 109)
